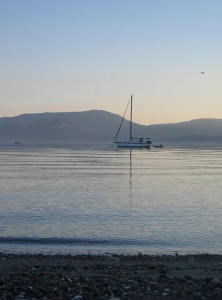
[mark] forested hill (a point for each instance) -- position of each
(101, 126)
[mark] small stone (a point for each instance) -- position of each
(197, 295)
(126, 287)
(77, 297)
(20, 296)
(152, 283)
(215, 281)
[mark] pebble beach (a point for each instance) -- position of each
(110, 276)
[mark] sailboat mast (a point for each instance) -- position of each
(131, 114)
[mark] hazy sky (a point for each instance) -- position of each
(76, 55)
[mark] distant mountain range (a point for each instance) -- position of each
(101, 126)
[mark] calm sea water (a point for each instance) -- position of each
(100, 199)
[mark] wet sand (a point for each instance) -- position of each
(110, 277)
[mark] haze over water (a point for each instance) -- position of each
(101, 199)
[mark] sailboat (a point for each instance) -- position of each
(132, 142)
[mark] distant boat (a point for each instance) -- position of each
(132, 142)
(17, 143)
(158, 146)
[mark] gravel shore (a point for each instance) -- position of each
(110, 277)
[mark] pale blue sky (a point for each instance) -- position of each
(93, 54)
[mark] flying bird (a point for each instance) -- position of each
(201, 72)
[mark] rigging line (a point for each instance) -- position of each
(122, 120)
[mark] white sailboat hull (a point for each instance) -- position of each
(132, 144)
